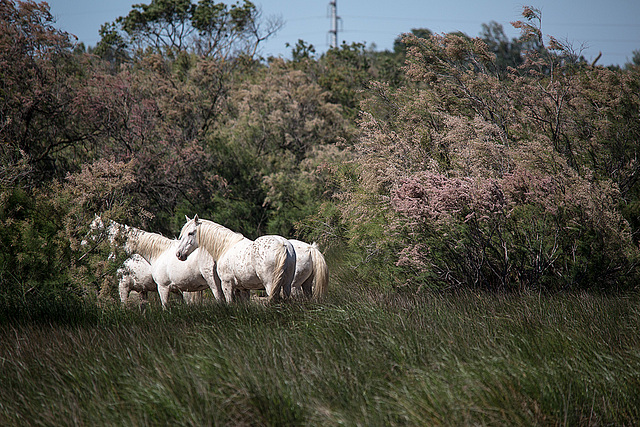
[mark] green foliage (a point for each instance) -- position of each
(30, 252)
(635, 60)
(508, 52)
(400, 47)
(49, 260)
(302, 51)
(344, 74)
(112, 47)
(172, 27)
(278, 129)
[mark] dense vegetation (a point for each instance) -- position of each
(478, 201)
(451, 162)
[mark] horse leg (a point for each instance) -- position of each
(163, 292)
(227, 289)
(274, 293)
(178, 291)
(307, 287)
(192, 298)
(214, 283)
(124, 289)
(278, 290)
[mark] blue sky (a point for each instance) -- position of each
(611, 27)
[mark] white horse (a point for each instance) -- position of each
(135, 275)
(267, 263)
(312, 274)
(168, 274)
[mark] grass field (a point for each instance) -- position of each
(361, 357)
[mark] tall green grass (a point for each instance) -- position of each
(361, 357)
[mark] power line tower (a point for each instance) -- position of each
(333, 12)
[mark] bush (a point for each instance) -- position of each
(466, 178)
(48, 258)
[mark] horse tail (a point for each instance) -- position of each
(279, 277)
(320, 273)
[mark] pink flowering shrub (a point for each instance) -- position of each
(484, 180)
(525, 229)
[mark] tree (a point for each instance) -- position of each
(344, 73)
(508, 52)
(635, 59)
(205, 28)
(279, 127)
(302, 51)
(36, 90)
(163, 24)
(112, 46)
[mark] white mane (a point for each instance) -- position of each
(215, 238)
(149, 245)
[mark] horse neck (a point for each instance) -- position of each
(148, 245)
(217, 239)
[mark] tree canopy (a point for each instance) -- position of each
(205, 28)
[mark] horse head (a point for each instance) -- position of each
(188, 238)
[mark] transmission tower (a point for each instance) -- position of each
(333, 12)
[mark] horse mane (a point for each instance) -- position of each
(215, 238)
(148, 245)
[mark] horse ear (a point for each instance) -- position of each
(196, 219)
(187, 218)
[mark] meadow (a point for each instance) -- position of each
(362, 356)
(451, 162)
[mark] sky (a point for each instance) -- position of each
(590, 26)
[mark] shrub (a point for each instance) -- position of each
(48, 258)
(466, 177)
